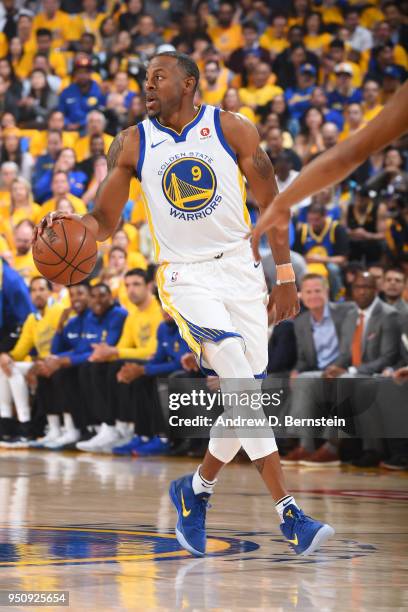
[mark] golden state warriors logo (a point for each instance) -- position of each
(189, 184)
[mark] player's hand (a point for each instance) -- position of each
(334, 371)
(189, 362)
(6, 363)
(49, 219)
(283, 303)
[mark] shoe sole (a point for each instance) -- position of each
(290, 462)
(320, 464)
(180, 537)
(320, 538)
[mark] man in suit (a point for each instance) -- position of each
(318, 333)
(369, 344)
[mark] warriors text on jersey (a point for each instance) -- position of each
(193, 189)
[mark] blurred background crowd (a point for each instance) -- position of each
(85, 361)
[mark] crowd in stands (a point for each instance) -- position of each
(84, 361)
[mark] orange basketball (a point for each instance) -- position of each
(66, 252)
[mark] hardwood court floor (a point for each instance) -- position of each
(102, 529)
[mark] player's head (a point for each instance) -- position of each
(137, 285)
(171, 79)
(79, 296)
(40, 291)
(101, 299)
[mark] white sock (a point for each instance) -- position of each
(200, 485)
(69, 422)
(53, 421)
(283, 503)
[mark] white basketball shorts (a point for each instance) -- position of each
(219, 298)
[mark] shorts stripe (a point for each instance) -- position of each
(168, 307)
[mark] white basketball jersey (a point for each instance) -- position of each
(193, 189)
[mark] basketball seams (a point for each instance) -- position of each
(76, 267)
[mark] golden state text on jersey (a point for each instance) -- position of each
(193, 189)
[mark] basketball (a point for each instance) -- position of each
(66, 252)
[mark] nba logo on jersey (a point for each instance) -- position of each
(174, 277)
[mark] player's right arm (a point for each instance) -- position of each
(338, 162)
(113, 192)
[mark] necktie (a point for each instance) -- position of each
(356, 345)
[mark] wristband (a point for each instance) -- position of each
(284, 282)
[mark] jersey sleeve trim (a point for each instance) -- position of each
(220, 134)
(142, 150)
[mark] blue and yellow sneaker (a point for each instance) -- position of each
(191, 510)
(304, 534)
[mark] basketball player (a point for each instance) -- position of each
(337, 163)
(190, 162)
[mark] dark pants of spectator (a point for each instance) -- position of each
(8, 339)
(108, 400)
(61, 393)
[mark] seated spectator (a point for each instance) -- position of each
(147, 38)
(15, 307)
(107, 34)
(393, 78)
(66, 162)
(214, 83)
(44, 166)
(51, 388)
(383, 57)
(99, 172)
(392, 177)
(39, 101)
(319, 100)
(359, 37)
(354, 121)
(41, 62)
(316, 40)
(275, 39)
(189, 34)
(376, 269)
(366, 223)
(226, 35)
(86, 45)
(11, 151)
(371, 104)
(121, 85)
(326, 198)
(82, 96)
(23, 261)
(279, 106)
(129, 20)
(232, 102)
(318, 335)
(60, 188)
(137, 344)
(56, 59)
(134, 258)
(281, 349)
(250, 33)
(8, 101)
(330, 135)
(260, 93)
(309, 141)
(90, 20)
(37, 333)
(393, 289)
(272, 120)
(339, 52)
(96, 150)
(103, 324)
(8, 173)
(275, 146)
(95, 126)
(344, 93)
(22, 206)
(324, 244)
(54, 20)
(39, 140)
(287, 64)
(396, 233)
(136, 110)
(12, 82)
(369, 344)
(298, 97)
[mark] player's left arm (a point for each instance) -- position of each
(255, 164)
